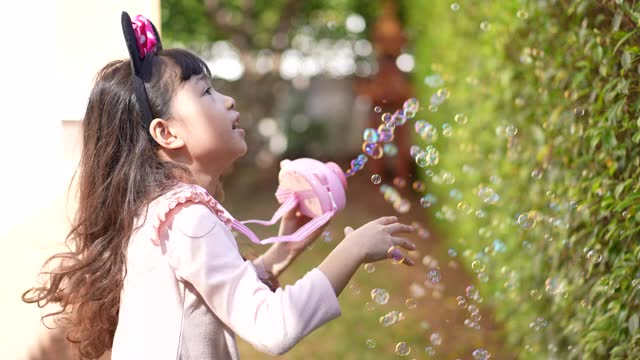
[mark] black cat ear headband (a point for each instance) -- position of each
(143, 41)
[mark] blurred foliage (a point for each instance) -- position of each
(564, 74)
(252, 25)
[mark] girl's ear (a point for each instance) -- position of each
(165, 135)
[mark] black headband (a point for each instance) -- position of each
(140, 63)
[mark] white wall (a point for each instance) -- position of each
(50, 51)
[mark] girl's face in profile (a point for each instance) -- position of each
(208, 123)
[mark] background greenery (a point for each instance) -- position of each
(565, 74)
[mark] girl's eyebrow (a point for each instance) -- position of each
(202, 77)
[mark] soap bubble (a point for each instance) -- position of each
(432, 156)
(455, 194)
(536, 174)
(443, 93)
(448, 178)
(476, 316)
(471, 292)
(419, 126)
(452, 252)
(511, 130)
(434, 276)
(428, 132)
(433, 108)
(594, 256)
(430, 351)
(391, 318)
(376, 179)
(436, 339)
(538, 324)
(386, 118)
(447, 130)
(369, 268)
(434, 80)
(477, 266)
(428, 200)
(411, 104)
(522, 14)
(326, 236)
(385, 133)
(421, 159)
(399, 182)
(414, 150)
(418, 186)
(411, 303)
(390, 150)
(481, 354)
(377, 109)
(380, 296)
(527, 220)
(579, 111)
(398, 118)
(455, 6)
(373, 150)
(461, 119)
(554, 286)
(488, 195)
(485, 26)
(403, 349)
(397, 256)
(371, 343)
(464, 207)
(370, 135)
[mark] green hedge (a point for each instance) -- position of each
(564, 73)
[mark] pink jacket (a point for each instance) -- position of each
(187, 290)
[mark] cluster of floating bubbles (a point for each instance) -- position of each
(377, 141)
(469, 302)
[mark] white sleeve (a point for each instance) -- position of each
(202, 251)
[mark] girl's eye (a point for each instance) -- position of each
(208, 91)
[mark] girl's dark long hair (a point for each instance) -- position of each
(119, 174)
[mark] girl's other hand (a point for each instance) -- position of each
(374, 240)
(290, 223)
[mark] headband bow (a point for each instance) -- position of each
(143, 41)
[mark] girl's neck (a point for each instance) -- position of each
(209, 182)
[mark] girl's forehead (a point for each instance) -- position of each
(197, 80)
(201, 78)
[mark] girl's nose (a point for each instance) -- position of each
(229, 103)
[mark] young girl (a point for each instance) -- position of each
(154, 271)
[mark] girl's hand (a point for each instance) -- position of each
(376, 240)
(290, 223)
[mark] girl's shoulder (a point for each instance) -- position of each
(162, 207)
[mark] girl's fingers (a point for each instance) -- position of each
(402, 242)
(386, 220)
(347, 230)
(408, 261)
(398, 228)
